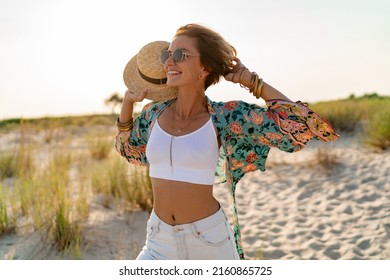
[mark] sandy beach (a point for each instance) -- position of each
(300, 208)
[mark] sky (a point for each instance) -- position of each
(65, 57)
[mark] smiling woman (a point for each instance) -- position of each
(187, 139)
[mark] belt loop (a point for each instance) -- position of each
(158, 225)
(195, 232)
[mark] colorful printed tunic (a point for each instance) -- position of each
(247, 132)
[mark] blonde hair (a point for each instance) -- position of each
(216, 54)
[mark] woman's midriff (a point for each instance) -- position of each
(180, 202)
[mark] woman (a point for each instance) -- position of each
(188, 139)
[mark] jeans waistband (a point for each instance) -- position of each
(199, 225)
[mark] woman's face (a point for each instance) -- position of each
(186, 72)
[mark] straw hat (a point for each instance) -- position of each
(145, 71)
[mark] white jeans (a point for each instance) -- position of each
(206, 239)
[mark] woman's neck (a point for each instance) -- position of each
(188, 104)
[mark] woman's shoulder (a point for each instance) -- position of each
(234, 106)
(154, 107)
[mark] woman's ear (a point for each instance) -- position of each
(204, 72)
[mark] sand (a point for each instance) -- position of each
(299, 208)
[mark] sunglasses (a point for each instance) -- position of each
(178, 56)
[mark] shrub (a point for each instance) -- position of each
(377, 129)
(100, 148)
(7, 223)
(117, 179)
(368, 114)
(7, 165)
(327, 158)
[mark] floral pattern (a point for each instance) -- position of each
(247, 132)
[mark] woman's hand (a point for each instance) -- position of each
(239, 74)
(234, 74)
(129, 99)
(132, 97)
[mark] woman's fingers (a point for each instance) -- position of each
(135, 97)
(235, 73)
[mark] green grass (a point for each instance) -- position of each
(366, 116)
(55, 122)
(52, 196)
(7, 221)
(100, 147)
(116, 179)
(18, 161)
(377, 129)
(7, 165)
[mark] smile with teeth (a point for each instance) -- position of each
(172, 72)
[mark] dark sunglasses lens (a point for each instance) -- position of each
(178, 56)
(164, 56)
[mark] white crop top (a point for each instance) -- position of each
(189, 158)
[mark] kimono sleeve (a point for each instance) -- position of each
(132, 144)
(251, 130)
(286, 125)
(299, 123)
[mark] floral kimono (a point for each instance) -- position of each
(247, 132)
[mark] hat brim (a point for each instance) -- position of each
(135, 83)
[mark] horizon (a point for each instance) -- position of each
(64, 58)
(116, 112)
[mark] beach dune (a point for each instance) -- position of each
(328, 201)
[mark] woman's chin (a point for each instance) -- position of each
(172, 83)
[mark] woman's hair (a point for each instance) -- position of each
(216, 55)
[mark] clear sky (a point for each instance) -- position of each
(60, 57)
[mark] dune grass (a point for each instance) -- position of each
(115, 179)
(7, 220)
(99, 146)
(18, 161)
(52, 123)
(7, 164)
(377, 128)
(367, 116)
(52, 196)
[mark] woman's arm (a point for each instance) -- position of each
(268, 92)
(129, 100)
(129, 142)
(284, 124)
(242, 75)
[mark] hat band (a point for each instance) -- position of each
(151, 80)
